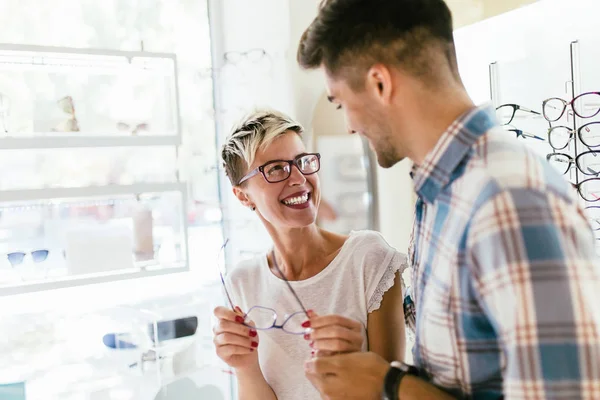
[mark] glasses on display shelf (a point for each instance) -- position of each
(588, 162)
(586, 105)
(265, 318)
(560, 136)
(124, 127)
(17, 258)
(523, 134)
(252, 55)
(280, 170)
(589, 189)
(506, 112)
(71, 124)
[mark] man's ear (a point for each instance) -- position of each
(242, 197)
(379, 81)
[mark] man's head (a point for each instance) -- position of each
(383, 60)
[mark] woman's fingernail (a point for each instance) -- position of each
(312, 353)
(254, 344)
(307, 337)
(253, 333)
(311, 344)
(239, 320)
(237, 308)
(306, 324)
(310, 313)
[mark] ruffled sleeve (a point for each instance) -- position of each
(398, 262)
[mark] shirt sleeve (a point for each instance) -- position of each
(537, 278)
(380, 262)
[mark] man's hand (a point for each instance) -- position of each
(348, 376)
(333, 334)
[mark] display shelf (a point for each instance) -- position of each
(91, 191)
(88, 280)
(18, 56)
(48, 141)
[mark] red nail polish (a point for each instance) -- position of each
(253, 333)
(306, 324)
(254, 344)
(307, 337)
(239, 320)
(237, 308)
(311, 344)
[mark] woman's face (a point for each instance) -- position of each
(292, 203)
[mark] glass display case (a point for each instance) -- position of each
(90, 189)
(158, 349)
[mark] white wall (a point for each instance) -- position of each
(395, 190)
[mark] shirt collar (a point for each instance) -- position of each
(451, 149)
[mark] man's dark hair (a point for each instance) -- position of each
(349, 36)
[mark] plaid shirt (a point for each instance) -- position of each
(506, 283)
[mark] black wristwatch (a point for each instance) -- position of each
(391, 383)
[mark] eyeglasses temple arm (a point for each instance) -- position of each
(531, 111)
(223, 278)
(289, 285)
(249, 175)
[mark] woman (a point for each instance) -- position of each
(341, 279)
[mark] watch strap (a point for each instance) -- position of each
(391, 383)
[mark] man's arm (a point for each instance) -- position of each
(537, 278)
(360, 376)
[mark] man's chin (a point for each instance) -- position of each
(387, 162)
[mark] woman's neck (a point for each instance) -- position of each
(304, 252)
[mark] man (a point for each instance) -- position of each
(506, 285)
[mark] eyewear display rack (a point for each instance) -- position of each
(15, 57)
(589, 192)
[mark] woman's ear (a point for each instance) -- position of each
(243, 197)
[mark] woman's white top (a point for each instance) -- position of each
(352, 285)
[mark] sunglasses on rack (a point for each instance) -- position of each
(506, 112)
(560, 136)
(17, 258)
(265, 318)
(586, 105)
(587, 162)
(280, 170)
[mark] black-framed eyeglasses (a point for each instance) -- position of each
(265, 318)
(279, 170)
(589, 189)
(523, 134)
(506, 112)
(587, 162)
(593, 213)
(560, 136)
(554, 108)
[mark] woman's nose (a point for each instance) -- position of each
(296, 177)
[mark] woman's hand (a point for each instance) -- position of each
(235, 342)
(333, 334)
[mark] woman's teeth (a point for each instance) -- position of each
(296, 200)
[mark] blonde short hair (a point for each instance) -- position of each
(254, 132)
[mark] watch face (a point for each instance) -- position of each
(400, 365)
